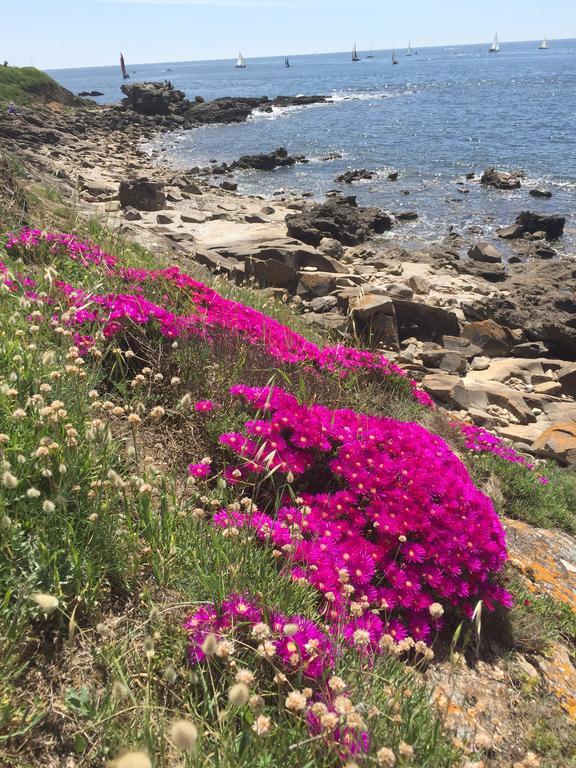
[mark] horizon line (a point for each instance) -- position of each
(316, 53)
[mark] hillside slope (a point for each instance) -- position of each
(27, 86)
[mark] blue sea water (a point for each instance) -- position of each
(435, 117)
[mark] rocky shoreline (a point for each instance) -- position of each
(492, 338)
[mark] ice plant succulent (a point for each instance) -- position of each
(210, 313)
(387, 523)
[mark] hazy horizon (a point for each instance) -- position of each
(232, 57)
(68, 34)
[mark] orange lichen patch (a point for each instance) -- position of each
(546, 558)
(560, 676)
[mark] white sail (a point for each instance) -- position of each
(544, 44)
(240, 62)
(495, 47)
(409, 50)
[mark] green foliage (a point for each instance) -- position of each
(28, 85)
(525, 498)
(537, 620)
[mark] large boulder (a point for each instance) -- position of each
(339, 219)
(494, 340)
(425, 321)
(152, 98)
(500, 179)
(485, 252)
(373, 319)
(142, 194)
(558, 442)
(552, 225)
(567, 379)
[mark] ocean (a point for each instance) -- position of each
(438, 115)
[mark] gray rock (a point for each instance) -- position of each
(567, 379)
(161, 218)
(480, 363)
(419, 284)
(340, 219)
(272, 273)
(316, 283)
(131, 214)
(500, 179)
(323, 304)
(452, 362)
(512, 232)
(540, 193)
(142, 194)
(485, 252)
(399, 291)
(552, 224)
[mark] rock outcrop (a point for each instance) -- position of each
(340, 219)
(552, 225)
(500, 179)
(357, 175)
(152, 98)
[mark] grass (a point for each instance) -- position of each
(521, 496)
(26, 86)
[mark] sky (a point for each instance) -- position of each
(53, 34)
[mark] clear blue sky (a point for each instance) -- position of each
(75, 33)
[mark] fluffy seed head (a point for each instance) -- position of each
(184, 735)
(238, 695)
(132, 760)
(47, 603)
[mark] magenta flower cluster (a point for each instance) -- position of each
(307, 651)
(211, 314)
(479, 440)
(295, 646)
(388, 520)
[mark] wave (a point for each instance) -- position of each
(338, 96)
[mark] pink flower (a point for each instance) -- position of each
(203, 406)
(201, 469)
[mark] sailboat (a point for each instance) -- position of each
(355, 56)
(544, 44)
(495, 47)
(371, 54)
(240, 62)
(287, 63)
(409, 51)
(125, 74)
(394, 59)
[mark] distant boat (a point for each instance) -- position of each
(495, 47)
(371, 54)
(125, 74)
(409, 51)
(394, 59)
(287, 63)
(544, 45)
(240, 62)
(355, 56)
